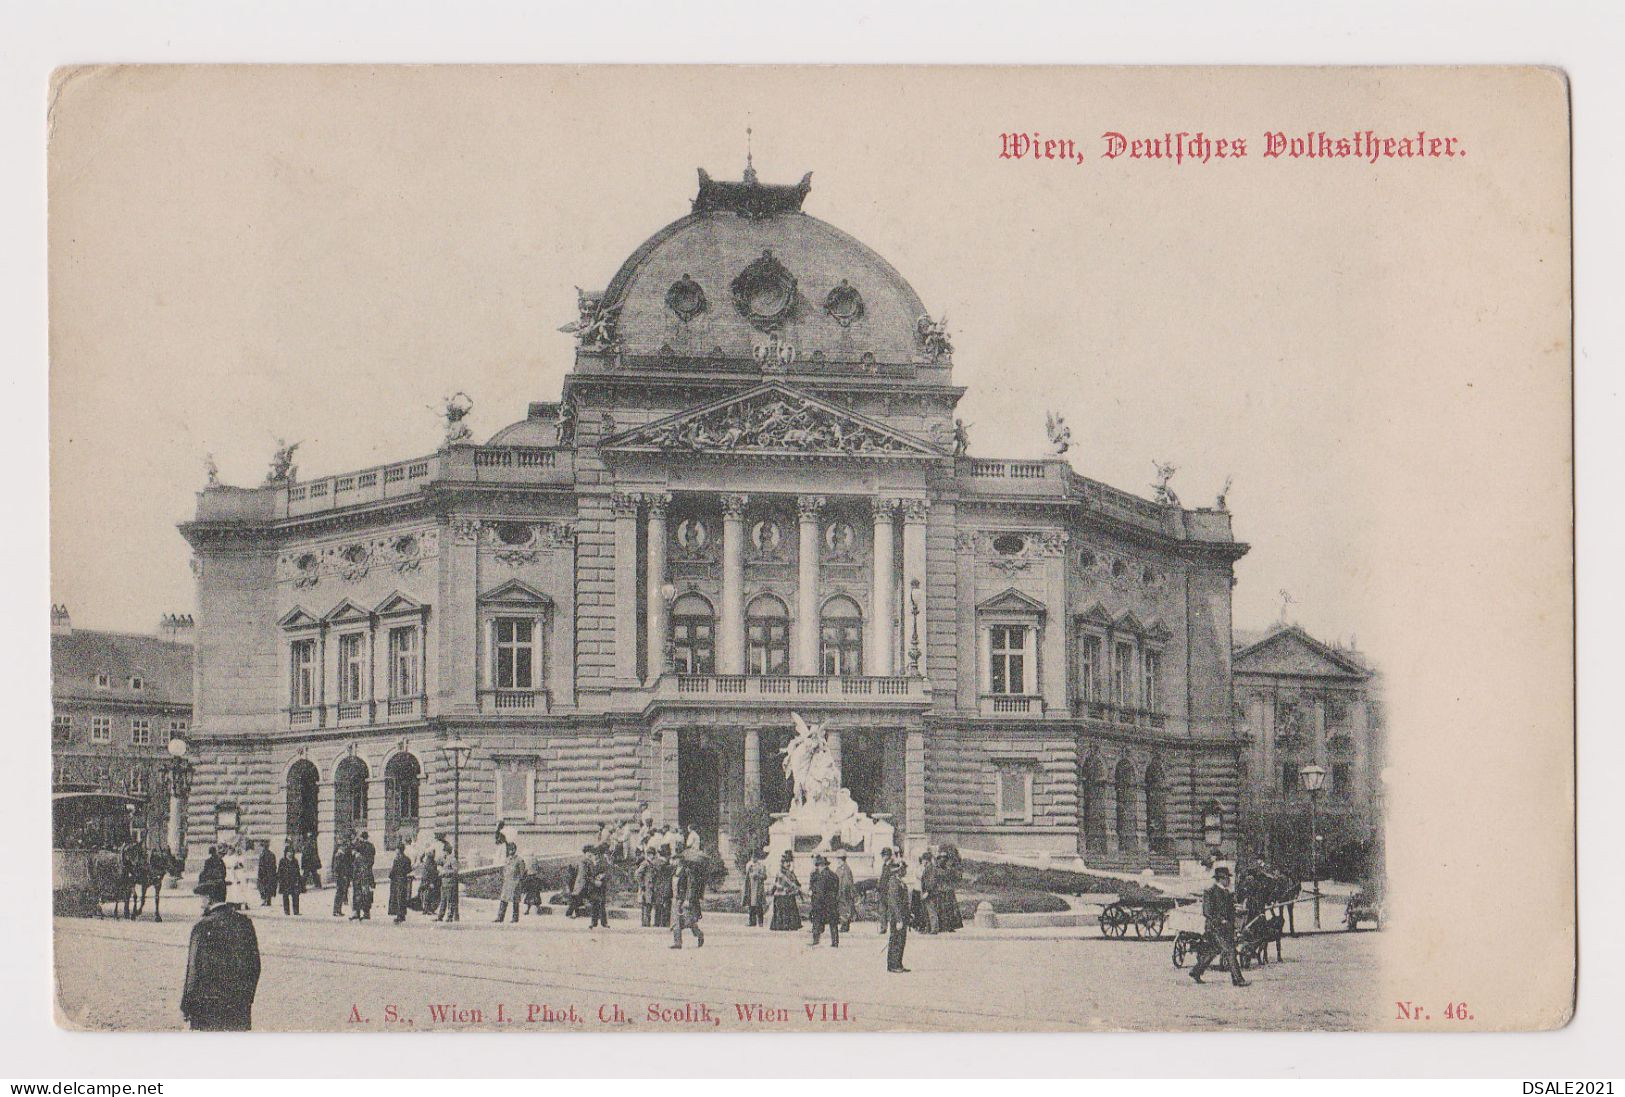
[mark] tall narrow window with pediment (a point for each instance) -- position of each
(1091, 669)
(841, 638)
(1011, 659)
(1151, 679)
(767, 637)
(405, 661)
(515, 652)
(302, 674)
(352, 667)
(693, 636)
(1123, 673)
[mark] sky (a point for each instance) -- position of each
(322, 254)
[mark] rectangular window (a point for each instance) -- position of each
(1009, 659)
(1123, 674)
(103, 681)
(101, 729)
(141, 733)
(1342, 781)
(516, 792)
(693, 645)
(302, 679)
(137, 683)
(1015, 794)
(225, 824)
(767, 641)
(403, 663)
(515, 653)
(138, 782)
(179, 728)
(352, 667)
(1151, 680)
(61, 728)
(1091, 648)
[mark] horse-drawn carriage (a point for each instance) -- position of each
(1145, 916)
(95, 858)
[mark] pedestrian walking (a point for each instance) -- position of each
(688, 892)
(450, 886)
(755, 897)
(267, 874)
(644, 877)
(512, 866)
(428, 897)
(310, 863)
(786, 894)
(581, 883)
(343, 874)
(290, 881)
(598, 888)
(846, 892)
(893, 911)
(949, 917)
(222, 966)
(823, 903)
(665, 869)
(1219, 930)
(930, 916)
(400, 884)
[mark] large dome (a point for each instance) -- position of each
(746, 265)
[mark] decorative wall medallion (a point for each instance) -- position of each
(693, 539)
(354, 562)
(515, 534)
(765, 292)
(840, 542)
(307, 570)
(767, 539)
(408, 553)
(844, 304)
(686, 298)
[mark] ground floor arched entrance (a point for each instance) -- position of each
(304, 789)
(350, 797)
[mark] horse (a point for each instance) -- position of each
(109, 882)
(147, 870)
(1256, 937)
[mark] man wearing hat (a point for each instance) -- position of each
(893, 910)
(824, 906)
(222, 966)
(1219, 925)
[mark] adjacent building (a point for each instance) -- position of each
(117, 699)
(752, 498)
(1300, 702)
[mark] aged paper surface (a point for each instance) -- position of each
(539, 493)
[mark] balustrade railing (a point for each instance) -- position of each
(795, 685)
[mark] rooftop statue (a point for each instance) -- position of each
(594, 325)
(1060, 435)
(283, 470)
(1165, 494)
(456, 409)
(932, 336)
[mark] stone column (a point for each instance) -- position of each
(882, 601)
(753, 769)
(731, 627)
(915, 512)
(914, 791)
(626, 586)
(655, 600)
(804, 656)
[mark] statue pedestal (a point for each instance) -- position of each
(829, 828)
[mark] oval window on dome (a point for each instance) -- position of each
(844, 304)
(1009, 544)
(764, 291)
(686, 298)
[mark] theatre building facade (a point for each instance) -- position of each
(752, 499)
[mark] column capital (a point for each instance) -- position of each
(808, 507)
(883, 509)
(659, 502)
(916, 510)
(625, 503)
(734, 504)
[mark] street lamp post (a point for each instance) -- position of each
(668, 648)
(457, 752)
(180, 785)
(914, 643)
(1313, 778)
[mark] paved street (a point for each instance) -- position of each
(321, 973)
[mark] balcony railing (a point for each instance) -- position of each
(1117, 714)
(1003, 704)
(403, 708)
(515, 702)
(769, 686)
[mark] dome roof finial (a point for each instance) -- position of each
(750, 167)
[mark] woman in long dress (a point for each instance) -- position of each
(947, 894)
(786, 892)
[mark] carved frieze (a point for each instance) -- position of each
(772, 421)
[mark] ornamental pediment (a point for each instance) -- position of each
(1290, 650)
(517, 593)
(773, 419)
(1011, 600)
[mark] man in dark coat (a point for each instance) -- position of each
(664, 871)
(930, 914)
(688, 892)
(1219, 925)
(893, 910)
(290, 881)
(824, 906)
(644, 877)
(222, 966)
(310, 862)
(755, 897)
(598, 888)
(267, 874)
(846, 892)
(400, 884)
(343, 872)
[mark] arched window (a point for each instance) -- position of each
(1156, 809)
(767, 636)
(693, 636)
(350, 797)
(303, 783)
(401, 777)
(1093, 790)
(840, 633)
(1127, 836)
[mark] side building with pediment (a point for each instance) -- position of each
(753, 498)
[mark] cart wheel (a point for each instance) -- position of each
(1156, 926)
(1179, 952)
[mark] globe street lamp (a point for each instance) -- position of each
(1313, 778)
(457, 752)
(180, 786)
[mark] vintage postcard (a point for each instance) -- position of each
(828, 549)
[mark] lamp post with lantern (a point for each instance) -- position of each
(1313, 778)
(457, 752)
(668, 649)
(180, 786)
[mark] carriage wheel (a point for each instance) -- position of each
(1113, 922)
(1179, 951)
(1154, 926)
